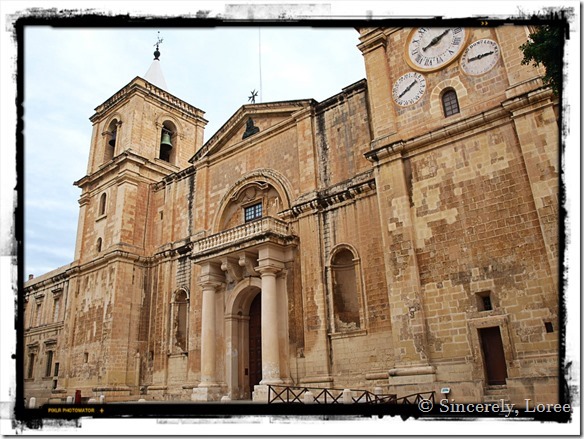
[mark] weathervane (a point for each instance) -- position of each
(158, 43)
(253, 96)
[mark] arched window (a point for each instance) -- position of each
(179, 317)
(346, 293)
(450, 103)
(98, 245)
(256, 200)
(102, 204)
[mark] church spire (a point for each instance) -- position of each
(154, 74)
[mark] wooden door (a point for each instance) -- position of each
(255, 342)
(494, 355)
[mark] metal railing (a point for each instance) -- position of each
(292, 394)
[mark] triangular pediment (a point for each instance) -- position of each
(266, 118)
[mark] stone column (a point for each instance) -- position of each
(270, 343)
(271, 260)
(211, 278)
(208, 335)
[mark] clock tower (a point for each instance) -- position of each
(447, 103)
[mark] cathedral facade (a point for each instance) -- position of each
(401, 234)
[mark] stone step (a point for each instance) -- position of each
(496, 394)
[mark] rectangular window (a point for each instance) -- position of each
(56, 372)
(49, 367)
(38, 315)
(30, 366)
(253, 212)
(484, 302)
(56, 304)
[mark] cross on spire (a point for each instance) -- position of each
(158, 43)
(253, 96)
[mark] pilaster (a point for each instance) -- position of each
(405, 291)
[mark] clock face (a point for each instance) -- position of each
(408, 89)
(480, 57)
(431, 48)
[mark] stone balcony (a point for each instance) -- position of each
(245, 237)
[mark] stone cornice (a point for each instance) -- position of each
(127, 157)
(332, 197)
(48, 327)
(175, 177)
(173, 249)
(339, 98)
(176, 249)
(461, 128)
(374, 38)
(140, 85)
(371, 40)
(109, 256)
(51, 278)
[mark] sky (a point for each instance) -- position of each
(70, 71)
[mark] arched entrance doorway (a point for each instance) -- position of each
(243, 329)
(255, 341)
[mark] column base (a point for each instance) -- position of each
(273, 381)
(205, 394)
(260, 394)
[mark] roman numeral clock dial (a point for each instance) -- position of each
(408, 89)
(431, 48)
(480, 57)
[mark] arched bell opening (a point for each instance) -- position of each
(167, 146)
(111, 140)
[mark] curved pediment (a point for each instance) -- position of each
(251, 123)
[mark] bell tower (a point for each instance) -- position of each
(141, 135)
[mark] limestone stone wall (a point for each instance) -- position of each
(45, 303)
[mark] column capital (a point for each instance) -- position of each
(209, 282)
(269, 269)
(211, 275)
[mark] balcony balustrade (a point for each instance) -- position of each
(246, 233)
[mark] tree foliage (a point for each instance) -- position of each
(546, 47)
